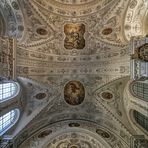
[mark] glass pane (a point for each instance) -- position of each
(140, 90)
(7, 120)
(141, 119)
(7, 90)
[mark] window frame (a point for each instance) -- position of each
(13, 122)
(16, 92)
(134, 94)
(136, 123)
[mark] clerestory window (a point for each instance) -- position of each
(8, 120)
(140, 90)
(8, 90)
(141, 119)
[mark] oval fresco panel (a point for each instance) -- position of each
(40, 96)
(107, 31)
(107, 95)
(74, 93)
(41, 31)
(103, 133)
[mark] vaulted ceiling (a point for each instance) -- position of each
(47, 48)
(71, 37)
(83, 41)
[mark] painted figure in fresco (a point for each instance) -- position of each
(74, 93)
(74, 36)
(141, 53)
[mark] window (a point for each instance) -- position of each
(140, 90)
(8, 120)
(7, 90)
(141, 119)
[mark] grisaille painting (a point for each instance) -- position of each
(74, 93)
(74, 36)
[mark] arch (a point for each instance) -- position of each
(135, 19)
(140, 90)
(8, 90)
(141, 120)
(8, 120)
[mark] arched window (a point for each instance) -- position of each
(8, 90)
(140, 90)
(8, 120)
(141, 120)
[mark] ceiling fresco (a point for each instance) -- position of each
(53, 119)
(74, 92)
(73, 63)
(74, 36)
(87, 135)
(94, 23)
(51, 45)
